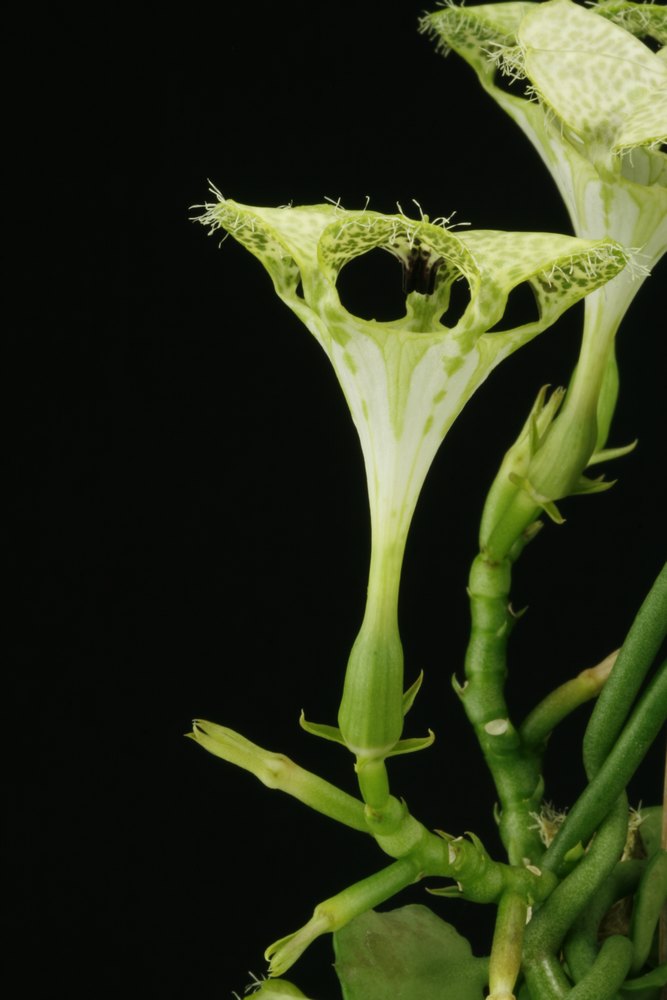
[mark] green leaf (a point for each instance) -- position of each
(406, 954)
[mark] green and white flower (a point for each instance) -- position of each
(405, 381)
(595, 108)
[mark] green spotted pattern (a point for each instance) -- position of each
(356, 235)
(313, 243)
(474, 32)
(640, 19)
(558, 272)
(601, 81)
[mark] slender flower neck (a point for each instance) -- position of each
(601, 322)
(381, 615)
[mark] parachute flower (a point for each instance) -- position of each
(595, 108)
(405, 381)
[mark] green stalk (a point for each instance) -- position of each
(648, 907)
(334, 913)
(582, 945)
(620, 764)
(642, 643)
(275, 770)
(558, 704)
(550, 924)
(516, 773)
(419, 853)
(505, 961)
(608, 972)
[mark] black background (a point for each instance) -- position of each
(188, 529)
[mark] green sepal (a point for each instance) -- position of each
(331, 733)
(608, 454)
(548, 506)
(459, 689)
(412, 745)
(412, 692)
(585, 486)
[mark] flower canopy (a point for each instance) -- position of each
(405, 381)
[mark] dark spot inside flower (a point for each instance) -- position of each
(420, 267)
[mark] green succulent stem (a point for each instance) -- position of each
(624, 758)
(608, 972)
(638, 652)
(275, 770)
(582, 944)
(418, 853)
(649, 905)
(516, 771)
(558, 704)
(338, 910)
(552, 921)
(506, 950)
(521, 513)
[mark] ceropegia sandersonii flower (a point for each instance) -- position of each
(595, 108)
(405, 381)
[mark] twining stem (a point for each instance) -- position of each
(641, 645)
(516, 773)
(540, 723)
(649, 904)
(581, 945)
(551, 923)
(662, 937)
(606, 975)
(622, 761)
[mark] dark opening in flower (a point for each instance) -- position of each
(420, 267)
